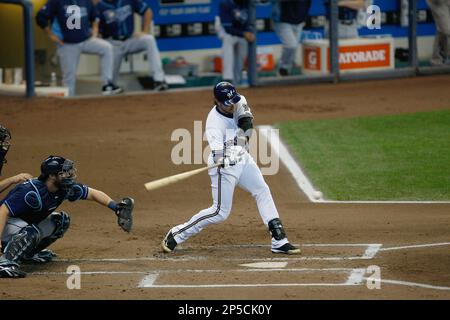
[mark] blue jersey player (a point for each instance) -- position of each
(235, 31)
(5, 143)
(29, 223)
(117, 26)
(73, 26)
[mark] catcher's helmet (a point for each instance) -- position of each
(225, 93)
(60, 166)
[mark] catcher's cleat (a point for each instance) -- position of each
(9, 269)
(287, 249)
(169, 243)
(42, 256)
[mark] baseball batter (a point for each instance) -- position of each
(29, 223)
(228, 128)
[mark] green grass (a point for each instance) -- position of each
(401, 157)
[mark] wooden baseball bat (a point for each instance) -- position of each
(153, 185)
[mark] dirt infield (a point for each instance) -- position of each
(122, 142)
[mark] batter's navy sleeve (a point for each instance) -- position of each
(46, 13)
(139, 6)
(79, 192)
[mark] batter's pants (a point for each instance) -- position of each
(246, 175)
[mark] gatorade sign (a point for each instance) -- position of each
(311, 58)
(355, 55)
(363, 57)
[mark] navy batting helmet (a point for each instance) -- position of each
(60, 166)
(226, 93)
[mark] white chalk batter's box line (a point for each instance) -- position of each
(371, 250)
(370, 253)
(356, 276)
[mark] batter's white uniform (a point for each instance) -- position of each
(221, 128)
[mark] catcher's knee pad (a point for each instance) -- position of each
(62, 223)
(22, 243)
(276, 229)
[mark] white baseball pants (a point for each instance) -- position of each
(246, 175)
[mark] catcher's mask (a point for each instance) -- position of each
(5, 143)
(63, 168)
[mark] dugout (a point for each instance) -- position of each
(185, 28)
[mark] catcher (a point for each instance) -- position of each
(5, 143)
(29, 223)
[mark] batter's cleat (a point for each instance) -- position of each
(9, 269)
(169, 243)
(287, 249)
(42, 256)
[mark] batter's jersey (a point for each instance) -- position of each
(63, 13)
(223, 128)
(116, 17)
(32, 202)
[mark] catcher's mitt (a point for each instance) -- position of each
(125, 213)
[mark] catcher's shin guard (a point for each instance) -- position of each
(22, 244)
(276, 229)
(62, 223)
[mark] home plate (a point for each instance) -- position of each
(265, 265)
